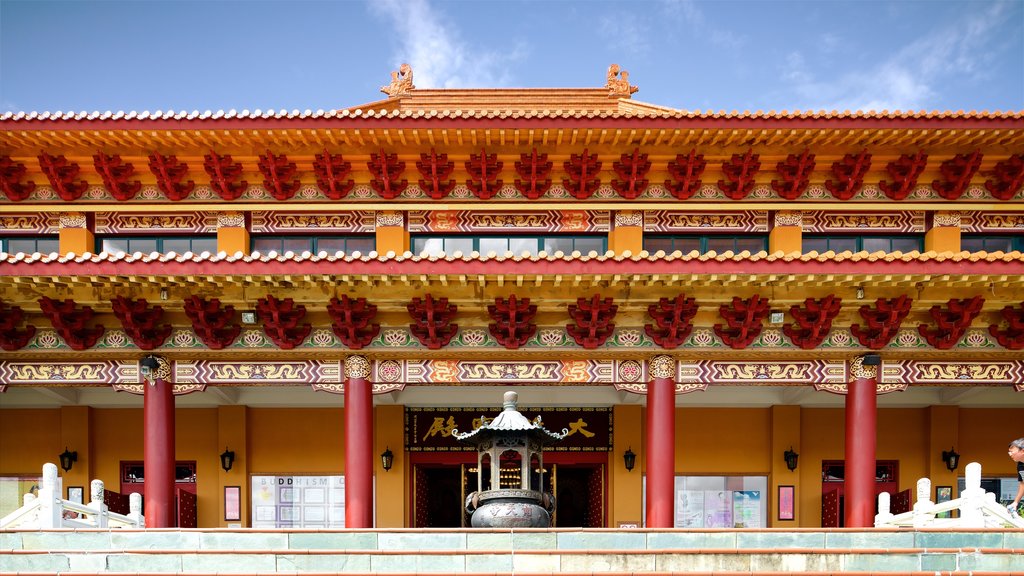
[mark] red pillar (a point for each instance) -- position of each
(661, 443)
(861, 433)
(358, 444)
(158, 447)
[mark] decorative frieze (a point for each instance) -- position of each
(631, 218)
(73, 220)
(357, 367)
(946, 220)
(569, 221)
(230, 220)
(17, 224)
(749, 221)
(997, 222)
(861, 371)
(156, 222)
(663, 367)
(394, 219)
(788, 218)
(355, 222)
(906, 222)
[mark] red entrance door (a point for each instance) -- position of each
(833, 484)
(133, 479)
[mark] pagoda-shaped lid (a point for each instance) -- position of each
(510, 423)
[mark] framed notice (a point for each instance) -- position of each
(298, 501)
(232, 503)
(75, 494)
(943, 494)
(786, 505)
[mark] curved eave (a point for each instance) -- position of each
(847, 263)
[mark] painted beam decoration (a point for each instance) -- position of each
(563, 221)
(748, 221)
(30, 223)
(276, 222)
(820, 222)
(430, 429)
(156, 222)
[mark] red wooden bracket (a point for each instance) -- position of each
(169, 175)
(69, 321)
(813, 321)
(436, 169)
(61, 173)
(674, 320)
(582, 171)
(386, 170)
(745, 319)
(592, 321)
(116, 176)
(795, 173)
(512, 321)
(956, 175)
(849, 175)
(432, 321)
(141, 322)
(11, 338)
(904, 172)
(883, 321)
(535, 171)
(740, 172)
(483, 171)
(951, 322)
(331, 170)
(686, 172)
(632, 170)
(1007, 178)
(350, 320)
(1012, 337)
(212, 323)
(276, 171)
(224, 175)
(281, 321)
(11, 173)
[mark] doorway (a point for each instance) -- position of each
(439, 497)
(579, 496)
(833, 488)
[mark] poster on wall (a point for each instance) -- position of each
(717, 509)
(746, 509)
(690, 509)
(298, 501)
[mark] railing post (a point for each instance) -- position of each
(49, 508)
(96, 492)
(923, 514)
(135, 509)
(884, 515)
(972, 498)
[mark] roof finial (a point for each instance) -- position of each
(401, 82)
(619, 87)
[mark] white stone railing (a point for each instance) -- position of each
(978, 508)
(49, 510)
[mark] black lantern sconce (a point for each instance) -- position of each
(629, 459)
(791, 458)
(387, 459)
(67, 459)
(951, 458)
(227, 459)
(147, 367)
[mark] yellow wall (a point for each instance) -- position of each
(728, 441)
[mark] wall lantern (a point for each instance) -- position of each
(629, 459)
(791, 458)
(387, 459)
(147, 366)
(871, 360)
(227, 459)
(67, 459)
(951, 458)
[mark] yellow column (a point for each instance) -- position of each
(76, 234)
(232, 234)
(75, 436)
(391, 233)
(943, 234)
(232, 425)
(391, 492)
(786, 233)
(785, 436)
(943, 435)
(626, 486)
(626, 232)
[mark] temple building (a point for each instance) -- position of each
(280, 319)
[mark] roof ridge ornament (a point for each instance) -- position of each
(618, 83)
(401, 82)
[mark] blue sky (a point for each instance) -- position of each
(722, 55)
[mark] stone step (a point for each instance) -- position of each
(564, 552)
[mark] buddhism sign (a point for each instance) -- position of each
(430, 429)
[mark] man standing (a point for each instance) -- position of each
(1016, 453)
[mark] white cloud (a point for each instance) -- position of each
(438, 57)
(624, 32)
(910, 78)
(690, 14)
